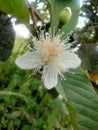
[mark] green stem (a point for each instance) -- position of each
(8, 93)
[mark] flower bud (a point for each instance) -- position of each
(65, 15)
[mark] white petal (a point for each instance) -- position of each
(50, 77)
(28, 60)
(71, 60)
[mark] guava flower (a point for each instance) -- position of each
(52, 56)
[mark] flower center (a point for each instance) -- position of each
(50, 50)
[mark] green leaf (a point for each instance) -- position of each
(56, 6)
(14, 114)
(73, 115)
(26, 127)
(54, 114)
(16, 8)
(81, 95)
(75, 7)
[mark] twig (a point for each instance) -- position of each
(34, 14)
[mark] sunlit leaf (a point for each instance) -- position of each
(16, 8)
(80, 93)
(14, 114)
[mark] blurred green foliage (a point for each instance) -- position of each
(24, 103)
(86, 37)
(89, 56)
(89, 14)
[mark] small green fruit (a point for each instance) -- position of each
(65, 15)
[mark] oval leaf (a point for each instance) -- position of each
(80, 93)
